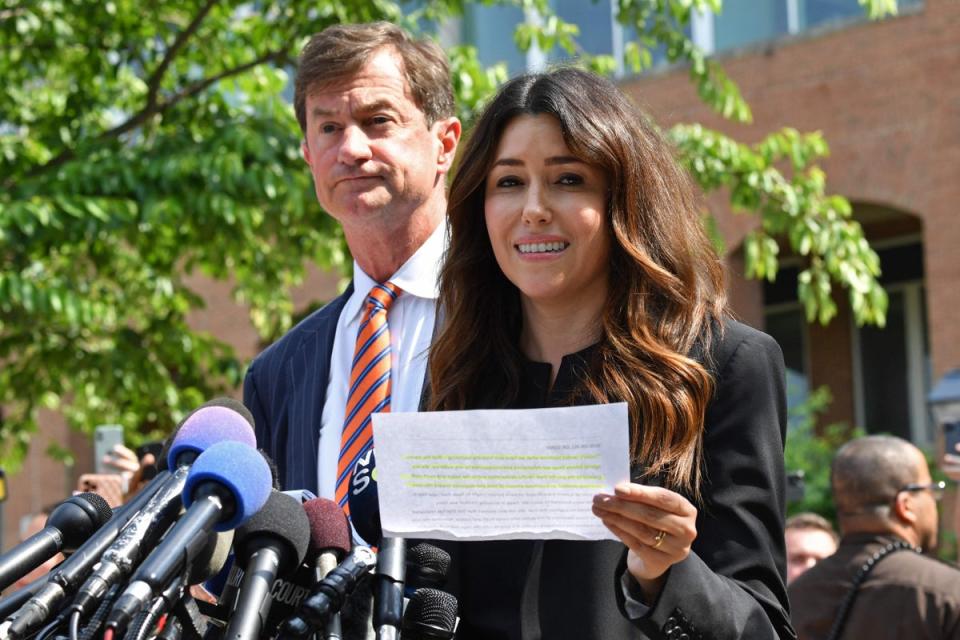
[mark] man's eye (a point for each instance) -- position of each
(379, 120)
(328, 128)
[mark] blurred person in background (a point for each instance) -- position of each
(30, 525)
(881, 582)
(810, 538)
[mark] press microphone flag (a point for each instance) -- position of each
(391, 552)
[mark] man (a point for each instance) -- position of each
(810, 539)
(377, 113)
(887, 510)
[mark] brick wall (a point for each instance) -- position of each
(886, 95)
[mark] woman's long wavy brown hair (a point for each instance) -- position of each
(665, 301)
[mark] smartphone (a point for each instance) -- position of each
(105, 438)
(951, 437)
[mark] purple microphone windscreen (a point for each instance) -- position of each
(241, 470)
(329, 529)
(208, 426)
(229, 403)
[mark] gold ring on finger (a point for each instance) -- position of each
(658, 539)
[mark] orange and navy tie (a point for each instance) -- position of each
(369, 384)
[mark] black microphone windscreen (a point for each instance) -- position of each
(427, 565)
(431, 614)
(229, 403)
(282, 518)
(78, 517)
(103, 510)
(329, 528)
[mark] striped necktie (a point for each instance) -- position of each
(369, 384)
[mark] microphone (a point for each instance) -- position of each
(203, 428)
(391, 553)
(68, 526)
(329, 543)
(431, 615)
(273, 542)
(207, 563)
(212, 558)
(427, 566)
(227, 403)
(330, 593)
(329, 534)
(228, 483)
(70, 573)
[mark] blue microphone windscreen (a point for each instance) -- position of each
(241, 470)
(208, 426)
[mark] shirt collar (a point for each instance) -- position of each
(418, 276)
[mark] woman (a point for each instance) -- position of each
(578, 272)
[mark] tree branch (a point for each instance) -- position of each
(150, 110)
(155, 79)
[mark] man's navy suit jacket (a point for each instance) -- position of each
(285, 388)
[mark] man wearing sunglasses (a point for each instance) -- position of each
(882, 582)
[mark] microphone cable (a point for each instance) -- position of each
(145, 623)
(50, 628)
(75, 625)
(92, 627)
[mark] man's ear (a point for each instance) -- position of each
(305, 150)
(448, 133)
(904, 508)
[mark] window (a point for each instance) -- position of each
(786, 324)
(744, 22)
(892, 365)
(490, 30)
(893, 372)
(595, 22)
(741, 23)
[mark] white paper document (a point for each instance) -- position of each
(499, 474)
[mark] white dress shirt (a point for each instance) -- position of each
(411, 320)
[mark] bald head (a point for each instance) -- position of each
(868, 472)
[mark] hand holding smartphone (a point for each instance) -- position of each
(105, 438)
